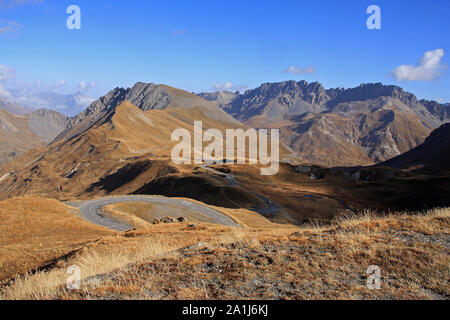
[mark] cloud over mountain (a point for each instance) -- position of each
(38, 95)
(429, 68)
(83, 85)
(5, 74)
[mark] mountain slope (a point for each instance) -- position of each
(432, 156)
(146, 97)
(339, 127)
(16, 136)
(47, 124)
(20, 133)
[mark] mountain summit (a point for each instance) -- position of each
(145, 96)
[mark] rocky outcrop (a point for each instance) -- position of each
(167, 220)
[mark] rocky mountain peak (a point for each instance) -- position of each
(145, 96)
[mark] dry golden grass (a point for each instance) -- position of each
(141, 214)
(131, 213)
(114, 254)
(41, 285)
(263, 260)
(35, 231)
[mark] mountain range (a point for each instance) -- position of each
(337, 127)
(118, 144)
(69, 104)
(365, 125)
(121, 144)
(13, 107)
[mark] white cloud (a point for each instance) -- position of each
(83, 85)
(5, 74)
(229, 86)
(37, 94)
(16, 3)
(429, 68)
(83, 100)
(180, 32)
(9, 26)
(299, 70)
(61, 83)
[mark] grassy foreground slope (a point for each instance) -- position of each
(36, 231)
(262, 260)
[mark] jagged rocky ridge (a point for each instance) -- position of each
(339, 127)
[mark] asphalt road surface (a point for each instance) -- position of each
(91, 210)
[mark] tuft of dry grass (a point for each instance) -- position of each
(92, 262)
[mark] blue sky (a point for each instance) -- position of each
(195, 44)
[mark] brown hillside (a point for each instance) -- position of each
(432, 156)
(16, 137)
(121, 152)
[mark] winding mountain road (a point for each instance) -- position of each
(91, 210)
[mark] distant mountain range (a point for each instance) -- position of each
(337, 127)
(8, 105)
(68, 104)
